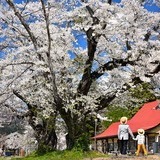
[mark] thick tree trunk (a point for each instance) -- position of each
(47, 142)
(47, 139)
(71, 136)
(78, 134)
(46, 135)
(70, 141)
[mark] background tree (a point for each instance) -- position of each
(46, 73)
(10, 122)
(135, 98)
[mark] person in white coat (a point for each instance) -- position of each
(123, 135)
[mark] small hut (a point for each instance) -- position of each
(148, 118)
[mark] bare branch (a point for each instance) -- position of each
(46, 15)
(32, 108)
(19, 63)
(26, 26)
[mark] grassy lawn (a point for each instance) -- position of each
(59, 155)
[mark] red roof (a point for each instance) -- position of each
(147, 117)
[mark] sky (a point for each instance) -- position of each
(152, 8)
(81, 40)
(149, 7)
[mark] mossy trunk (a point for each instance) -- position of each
(46, 135)
(78, 135)
(47, 142)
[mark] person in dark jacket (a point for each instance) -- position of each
(123, 135)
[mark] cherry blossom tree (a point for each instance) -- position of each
(46, 73)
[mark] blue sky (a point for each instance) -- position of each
(149, 7)
(81, 40)
(152, 8)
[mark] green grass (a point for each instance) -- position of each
(60, 155)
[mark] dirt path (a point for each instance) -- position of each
(149, 157)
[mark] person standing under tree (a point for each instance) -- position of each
(141, 142)
(123, 135)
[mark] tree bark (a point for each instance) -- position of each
(46, 135)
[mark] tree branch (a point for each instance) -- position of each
(110, 2)
(26, 26)
(115, 63)
(32, 109)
